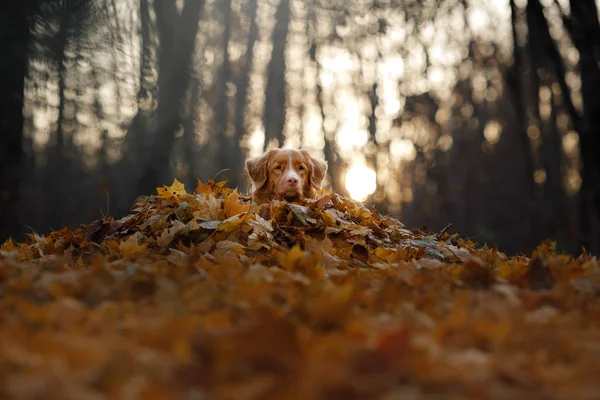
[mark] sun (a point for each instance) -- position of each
(361, 181)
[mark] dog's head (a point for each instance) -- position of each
(285, 174)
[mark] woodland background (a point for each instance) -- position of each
(484, 114)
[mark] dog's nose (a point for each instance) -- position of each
(292, 181)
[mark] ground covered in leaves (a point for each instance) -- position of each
(207, 296)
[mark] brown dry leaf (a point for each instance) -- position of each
(169, 234)
(208, 208)
(359, 230)
(228, 245)
(131, 248)
(207, 296)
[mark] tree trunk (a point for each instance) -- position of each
(586, 36)
(333, 158)
(241, 100)
(555, 213)
(223, 142)
(547, 65)
(138, 141)
(135, 140)
(177, 42)
(379, 197)
(189, 136)
(515, 86)
(275, 96)
(14, 28)
(58, 150)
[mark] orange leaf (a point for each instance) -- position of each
(232, 205)
(130, 248)
(9, 245)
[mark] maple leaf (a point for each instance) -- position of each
(216, 189)
(131, 248)
(175, 190)
(208, 208)
(232, 205)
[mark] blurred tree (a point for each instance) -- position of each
(274, 114)
(225, 146)
(334, 160)
(16, 37)
(584, 29)
(514, 83)
(146, 93)
(547, 64)
(177, 35)
(241, 99)
(190, 149)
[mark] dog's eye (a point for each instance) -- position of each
(278, 167)
(301, 167)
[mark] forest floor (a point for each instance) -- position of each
(208, 296)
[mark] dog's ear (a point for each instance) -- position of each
(256, 168)
(318, 169)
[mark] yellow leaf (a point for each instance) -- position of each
(324, 192)
(176, 189)
(328, 219)
(230, 224)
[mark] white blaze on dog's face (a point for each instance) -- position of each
(285, 174)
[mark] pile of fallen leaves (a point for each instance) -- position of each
(206, 295)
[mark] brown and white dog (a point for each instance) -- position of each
(285, 174)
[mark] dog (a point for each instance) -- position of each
(285, 174)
